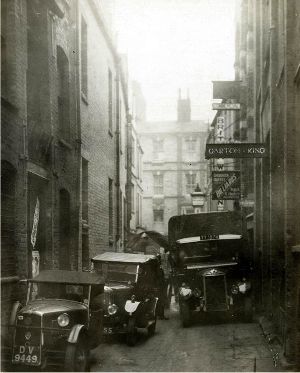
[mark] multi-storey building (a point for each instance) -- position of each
(173, 166)
(64, 118)
(137, 105)
(268, 63)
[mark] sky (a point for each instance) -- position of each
(174, 44)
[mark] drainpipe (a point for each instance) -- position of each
(129, 165)
(118, 108)
(78, 138)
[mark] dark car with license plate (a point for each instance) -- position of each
(130, 294)
(59, 323)
(210, 267)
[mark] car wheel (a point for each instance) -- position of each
(77, 357)
(151, 328)
(131, 337)
(248, 310)
(185, 315)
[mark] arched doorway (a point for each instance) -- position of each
(64, 229)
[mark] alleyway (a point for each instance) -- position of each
(202, 347)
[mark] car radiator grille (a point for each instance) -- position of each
(215, 294)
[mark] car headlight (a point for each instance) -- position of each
(63, 320)
(185, 292)
(112, 309)
(234, 289)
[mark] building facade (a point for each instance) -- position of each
(173, 166)
(268, 63)
(64, 151)
(137, 107)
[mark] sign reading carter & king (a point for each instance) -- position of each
(226, 185)
(255, 150)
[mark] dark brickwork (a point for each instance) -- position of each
(271, 30)
(46, 131)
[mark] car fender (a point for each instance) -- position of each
(130, 306)
(75, 332)
(154, 305)
(15, 308)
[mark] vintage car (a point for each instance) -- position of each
(59, 323)
(130, 294)
(210, 271)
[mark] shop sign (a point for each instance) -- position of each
(35, 223)
(226, 185)
(250, 150)
(226, 106)
(226, 89)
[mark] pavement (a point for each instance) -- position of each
(275, 345)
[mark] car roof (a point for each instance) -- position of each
(123, 258)
(68, 277)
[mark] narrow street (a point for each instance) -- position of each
(202, 347)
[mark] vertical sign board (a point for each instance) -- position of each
(226, 185)
(35, 253)
(220, 138)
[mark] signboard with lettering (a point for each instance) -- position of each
(236, 150)
(226, 185)
(226, 89)
(226, 106)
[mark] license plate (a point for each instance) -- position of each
(30, 355)
(107, 330)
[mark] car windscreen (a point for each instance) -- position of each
(215, 250)
(47, 290)
(118, 272)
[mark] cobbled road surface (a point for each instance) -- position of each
(218, 345)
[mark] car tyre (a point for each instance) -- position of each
(131, 337)
(77, 357)
(185, 315)
(151, 328)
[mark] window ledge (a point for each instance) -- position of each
(9, 279)
(84, 98)
(65, 143)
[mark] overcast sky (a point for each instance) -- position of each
(175, 44)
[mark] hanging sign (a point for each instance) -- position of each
(226, 89)
(226, 185)
(35, 223)
(236, 150)
(226, 106)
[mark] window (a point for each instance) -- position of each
(85, 231)
(158, 184)
(190, 145)
(110, 208)
(3, 49)
(132, 199)
(63, 99)
(84, 57)
(158, 148)
(187, 210)
(110, 101)
(190, 182)
(133, 145)
(158, 145)
(158, 216)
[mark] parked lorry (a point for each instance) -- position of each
(211, 268)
